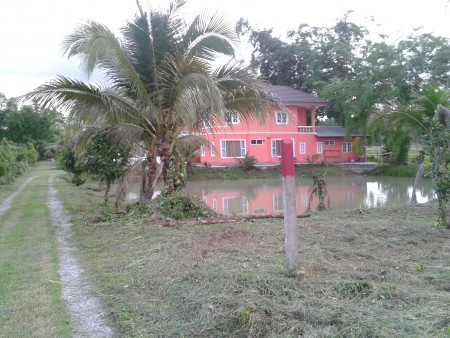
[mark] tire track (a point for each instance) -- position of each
(85, 310)
(7, 203)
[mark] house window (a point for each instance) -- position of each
(276, 148)
(278, 204)
(232, 148)
(256, 141)
(302, 148)
(235, 205)
(304, 200)
(235, 119)
(203, 150)
(319, 147)
(347, 147)
(213, 150)
(281, 117)
(207, 124)
(329, 142)
(232, 117)
(214, 206)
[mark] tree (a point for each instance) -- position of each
(29, 124)
(160, 81)
(437, 147)
(428, 120)
(104, 158)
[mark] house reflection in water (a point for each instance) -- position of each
(264, 197)
(253, 198)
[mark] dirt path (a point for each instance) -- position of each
(36, 246)
(85, 310)
(7, 203)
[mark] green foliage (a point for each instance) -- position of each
(399, 170)
(30, 124)
(343, 65)
(355, 289)
(15, 158)
(180, 205)
(437, 164)
(247, 162)
(104, 158)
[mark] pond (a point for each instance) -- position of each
(264, 197)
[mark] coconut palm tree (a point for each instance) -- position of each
(428, 119)
(159, 81)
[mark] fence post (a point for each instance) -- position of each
(289, 198)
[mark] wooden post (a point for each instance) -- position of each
(289, 196)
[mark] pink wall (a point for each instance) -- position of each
(257, 139)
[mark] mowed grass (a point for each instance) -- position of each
(30, 304)
(360, 273)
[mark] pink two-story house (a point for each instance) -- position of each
(237, 138)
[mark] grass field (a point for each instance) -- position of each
(360, 273)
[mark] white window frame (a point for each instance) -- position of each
(281, 117)
(347, 147)
(277, 199)
(302, 147)
(213, 150)
(214, 204)
(226, 204)
(319, 147)
(279, 140)
(256, 141)
(330, 142)
(223, 150)
(235, 118)
(203, 150)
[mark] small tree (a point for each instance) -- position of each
(318, 187)
(104, 158)
(437, 161)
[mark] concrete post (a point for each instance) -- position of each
(289, 198)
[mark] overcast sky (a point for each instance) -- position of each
(31, 31)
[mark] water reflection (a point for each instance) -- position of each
(264, 197)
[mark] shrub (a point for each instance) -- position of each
(247, 162)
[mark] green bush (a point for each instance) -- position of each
(180, 205)
(247, 162)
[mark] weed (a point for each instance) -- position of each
(418, 267)
(355, 289)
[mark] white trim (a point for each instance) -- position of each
(286, 122)
(279, 139)
(242, 145)
(319, 147)
(347, 147)
(300, 148)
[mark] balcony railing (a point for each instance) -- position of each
(305, 129)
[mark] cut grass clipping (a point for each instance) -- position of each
(376, 273)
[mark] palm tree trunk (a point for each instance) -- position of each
(164, 148)
(149, 177)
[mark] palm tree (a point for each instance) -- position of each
(160, 81)
(427, 118)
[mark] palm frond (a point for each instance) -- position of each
(96, 46)
(86, 102)
(209, 35)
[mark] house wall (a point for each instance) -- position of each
(258, 140)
